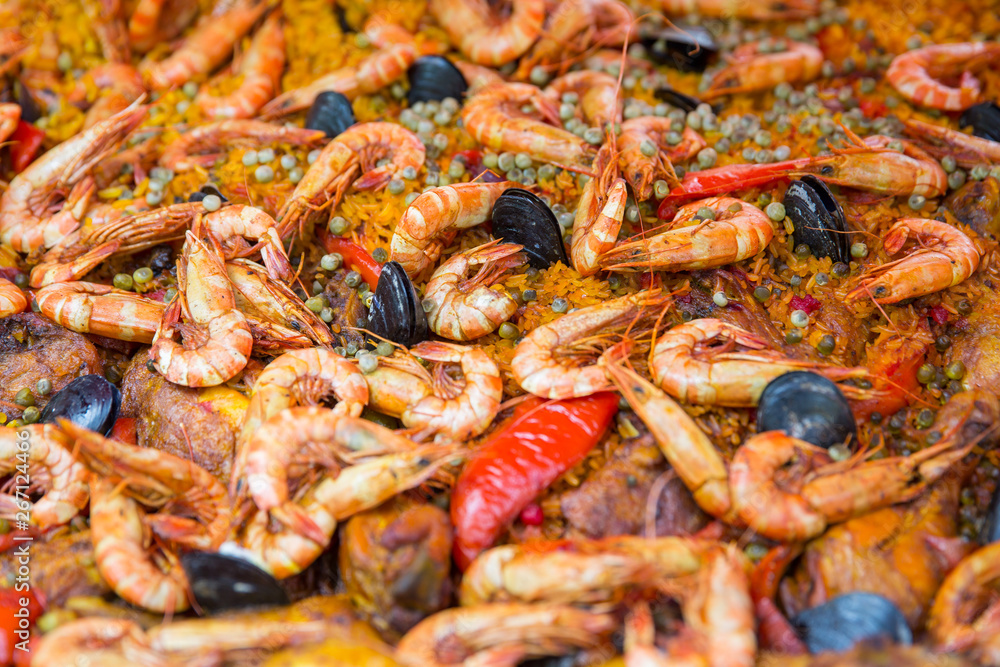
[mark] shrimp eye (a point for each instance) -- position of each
(827, 170)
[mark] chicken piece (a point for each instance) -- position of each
(612, 500)
(196, 424)
(977, 343)
(33, 348)
(395, 563)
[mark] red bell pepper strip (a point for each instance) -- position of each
(16, 620)
(774, 631)
(25, 142)
(354, 256)
(124, 431)
(540, 443)
(727, 179)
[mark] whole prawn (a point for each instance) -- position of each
(914, 73)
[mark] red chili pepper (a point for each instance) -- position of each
(354, 256)
(124, 431)
(25, 142)
(541, 442)
(16, 620)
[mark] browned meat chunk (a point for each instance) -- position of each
(60, 569)
(172, 419)
(31, 349)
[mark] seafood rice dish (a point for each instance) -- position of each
(558, 333)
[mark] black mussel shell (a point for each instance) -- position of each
(990, 532)
(677, 99)
(521, 217)
(840, 623)
(807, 406)
(206, 190)
(31, 109)
(89, 401)
(396, 313)
(331, 112)
(220, 583)
(984, 119)
(688, 48)
(434, 78)
(818, 219)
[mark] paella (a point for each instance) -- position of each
(544, 332)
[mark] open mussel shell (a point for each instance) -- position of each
(396, 313)
(434, 78)
(89, 401)
(840, 623)
(818, 219)
(680, 100)
(331, 112)
(990, 532)
(521, 217)
(204, 191)
(688, 48)
(807, 406)
(984, 119)
(220, 582)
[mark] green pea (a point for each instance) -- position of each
(508, 331)
(560, 305)
(31, 415)
(925, 418)
(964, 307)
(21, 280)
(942, 342)
(532, 295)
(326, 315)
(169, 295)
(802, 251)
(705, 213)
(331, 262)
(338, 225)
(384, 349)
(43, 387)
(826, 345)
(775, 211)
(859, 250)
(24, 398)
(761, 293)
(352, 279)
(926, 373)
(955, 370)
(123, 281)
(368, 363)
(380, 255)
(142, 275)
(316, 304)
(793, 337)
(840, 269)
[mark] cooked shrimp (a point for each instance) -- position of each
(718, 618)
(963, 616)
(456, 411)
(463, 308)
(435, 217)
(101, 310)
(398, 382)
(685, 446)
(477, 76)
(574, 27)
(544, 362)
(871, 164)
(83, 250)
(485, 38)
(599, 214)
(738, 231)
(108, 642)
(646, 155)
(322, 185)
(915, 73)
(944, 257)
(217, 336)
(597, 91)
(376, 141)
(12, 299)
(193, 512)
(304, 377)
(232, 224)
(53, 469)
(750, 70)
(506, 634)
(156, 21)
(398, 51)
(118, 86)
(686, 366)
(273, 305)
(493, 116)
(108, 23)
(968, 150)
(768, 10)
(356, 488)
(10, 114)
(208, 46)
(186, 152)
(578, 571)
(827, 496)
(25, 220)
(260, 67)
(296, 438)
